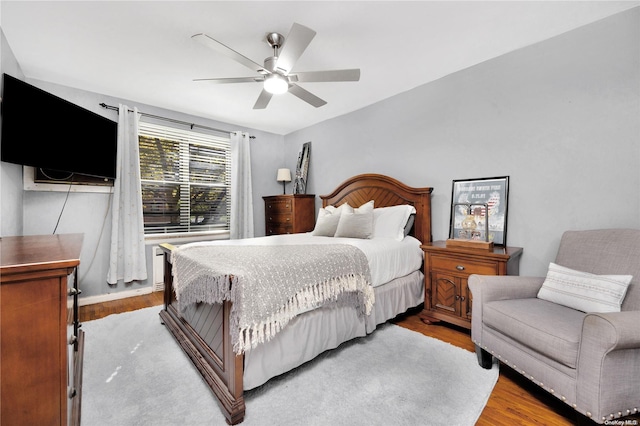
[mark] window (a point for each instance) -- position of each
(186, 178)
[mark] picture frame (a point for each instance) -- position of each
(487, 199)
(302, 169)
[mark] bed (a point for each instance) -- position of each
(205, 331)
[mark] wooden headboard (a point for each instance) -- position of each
(385, 191)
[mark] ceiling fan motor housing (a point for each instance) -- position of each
(270, 63)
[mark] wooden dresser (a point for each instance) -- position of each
(446, 270)
(289, 214)
(41, 345)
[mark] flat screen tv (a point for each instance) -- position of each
(50, 133)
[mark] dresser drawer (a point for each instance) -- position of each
(278, 229)
(281, 206)
(463, 266)
(279, 219)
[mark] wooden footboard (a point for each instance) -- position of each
(219, 366)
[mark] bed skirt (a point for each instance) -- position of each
(314, 332)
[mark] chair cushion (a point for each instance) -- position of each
(548, 328)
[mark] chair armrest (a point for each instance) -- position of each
(611, 331)
(609, 363)
(486, 288)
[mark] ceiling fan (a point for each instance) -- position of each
(276, 73)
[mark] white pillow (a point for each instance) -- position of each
(390, 222)
(584, 291)
(356, 223)
(327, 222)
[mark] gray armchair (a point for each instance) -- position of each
(591, 361)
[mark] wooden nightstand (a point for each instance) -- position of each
(289, 214)
(446, 270)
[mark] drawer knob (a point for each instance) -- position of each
(460, 268)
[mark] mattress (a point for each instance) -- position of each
(388, 259)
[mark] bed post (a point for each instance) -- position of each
(223, 372)
(168, 274)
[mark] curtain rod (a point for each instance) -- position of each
(173, 120)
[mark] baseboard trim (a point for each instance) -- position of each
(92, 300)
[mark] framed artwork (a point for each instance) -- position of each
(302, 169)
(486, 199)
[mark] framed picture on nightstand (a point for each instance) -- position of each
(486, 199)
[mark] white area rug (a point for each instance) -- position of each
(136, 374)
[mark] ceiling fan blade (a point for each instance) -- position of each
(231, 80)
(322, 76)
(226, 50)
(263, 100)
(294, 45)
(306, 96)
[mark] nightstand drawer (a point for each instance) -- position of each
(463, 266)
(281, 206)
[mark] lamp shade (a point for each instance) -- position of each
(284, 175)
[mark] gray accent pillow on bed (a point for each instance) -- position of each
(356, 223)
(327, 222)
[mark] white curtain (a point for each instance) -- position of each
(241, 223)
(127, 260)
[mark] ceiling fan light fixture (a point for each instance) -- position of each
(276, 84)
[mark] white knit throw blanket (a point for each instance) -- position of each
(269, 285)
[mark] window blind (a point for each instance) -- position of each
(186, 177)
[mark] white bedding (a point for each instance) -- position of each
(388, 259)
(399, 285)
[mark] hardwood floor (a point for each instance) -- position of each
(514, 400)
(101, 310)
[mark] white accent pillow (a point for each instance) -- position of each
(356, 223)
(390, 222)
(584, 291)
(327, 222)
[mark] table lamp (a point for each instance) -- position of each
(284, 176)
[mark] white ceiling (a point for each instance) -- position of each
(142, 51)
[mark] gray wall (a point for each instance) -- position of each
(90, 214)
(561, 118)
